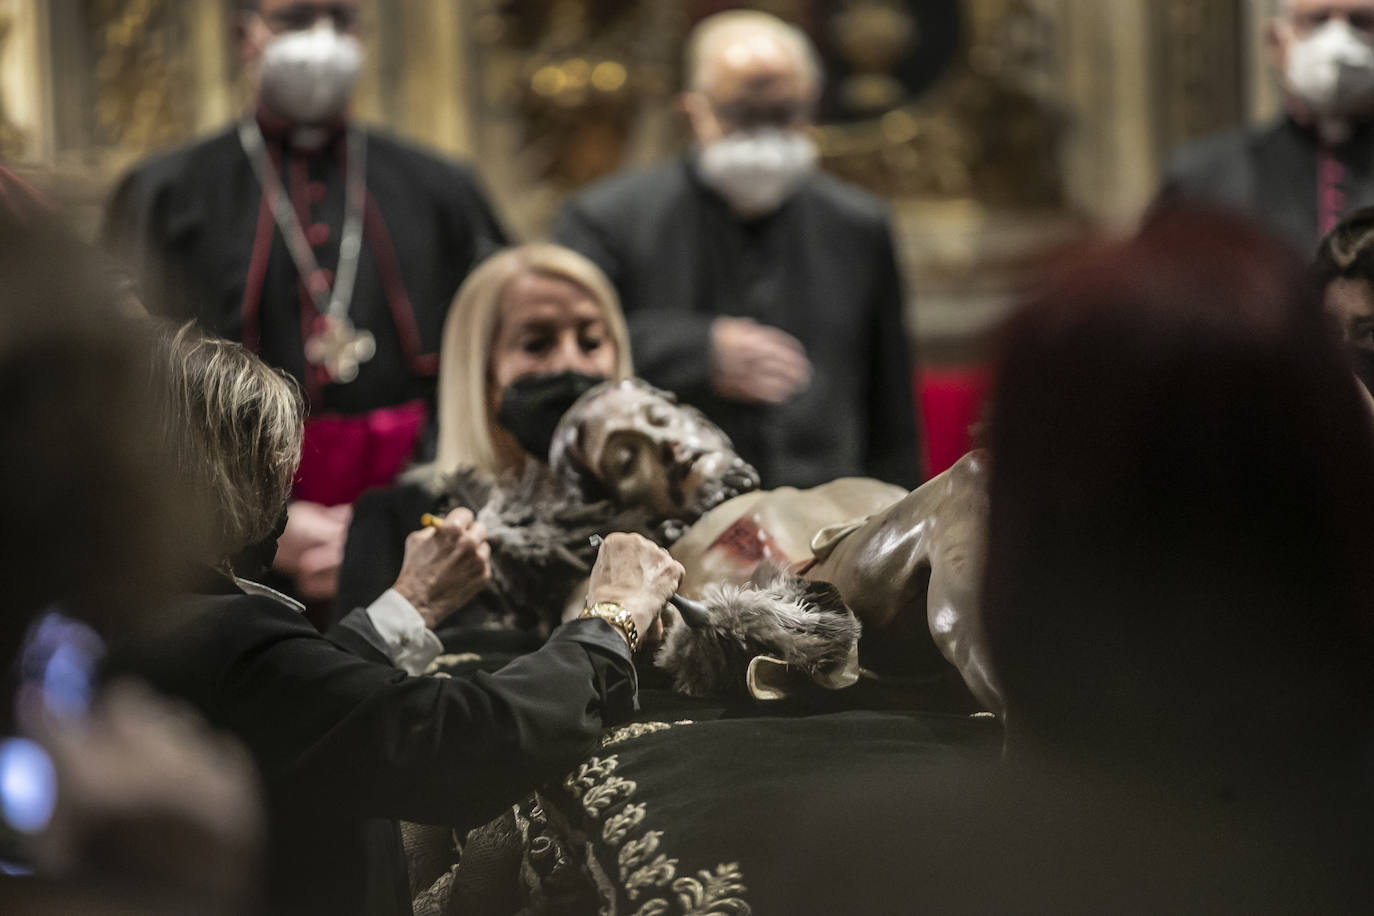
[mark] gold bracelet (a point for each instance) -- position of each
(616, 615)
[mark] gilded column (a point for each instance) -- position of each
(1111, 164)
(25, 135)
(212, 63)
(1263, 95)
(435, 88)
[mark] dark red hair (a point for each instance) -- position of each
(1182, 495)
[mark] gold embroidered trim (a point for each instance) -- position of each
(637, 730)
(644, 869)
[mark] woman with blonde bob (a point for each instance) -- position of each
(503, 327)
(531, 329)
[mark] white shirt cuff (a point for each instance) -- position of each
(411, 644)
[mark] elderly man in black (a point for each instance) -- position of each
(759, 290)
(1305, 171)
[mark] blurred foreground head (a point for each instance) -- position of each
(87, 523)
(1181, 556)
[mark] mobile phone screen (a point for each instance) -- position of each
(58, 667)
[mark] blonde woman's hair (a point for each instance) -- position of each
(466, 434)
(234, 427)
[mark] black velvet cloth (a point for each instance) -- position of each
(346, 744)
(697, 808)
(1272, 173)
(821, 268)
(700, 809)
(186, 222)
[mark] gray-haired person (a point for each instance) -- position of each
(346, 740)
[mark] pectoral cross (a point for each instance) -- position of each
(339, 347)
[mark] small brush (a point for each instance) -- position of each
(695, 614)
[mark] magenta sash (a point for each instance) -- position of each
(344, 455)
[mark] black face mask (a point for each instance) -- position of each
(255, 559)
(532, 406)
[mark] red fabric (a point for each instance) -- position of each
(1330, 194)
(402, 312)
(951, 399)
(257, 272)
(344, 455)
(21, 199)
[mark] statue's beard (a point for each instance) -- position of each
(737, 479)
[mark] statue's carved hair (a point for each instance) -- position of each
(1348, 249)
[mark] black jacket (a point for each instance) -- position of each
(821, 268)
(1272, 173)
(382, 519)
(346, 743)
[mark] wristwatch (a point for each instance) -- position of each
(616, 615)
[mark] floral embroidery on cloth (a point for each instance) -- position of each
(648, 875)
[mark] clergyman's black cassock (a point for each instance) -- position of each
(1275, 173)
(821, 267)
(194, 227)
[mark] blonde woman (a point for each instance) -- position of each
(530, 329)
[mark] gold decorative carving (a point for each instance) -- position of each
(576, 73)
(140, 72)
(569, 87)
(987, 132)
(874, 35)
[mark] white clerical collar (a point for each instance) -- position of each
(249, 587)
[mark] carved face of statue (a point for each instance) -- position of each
(641, 447)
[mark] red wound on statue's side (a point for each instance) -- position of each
(748, 544)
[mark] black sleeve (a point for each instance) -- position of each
(345, 738)
(357, 634)
(131, 232)
(893, 452)
(375, 546)
(576, 229)
(478, 217)
(671, 348)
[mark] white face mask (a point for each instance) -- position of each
(1332, 72)
(756, 170)
(308, 75)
